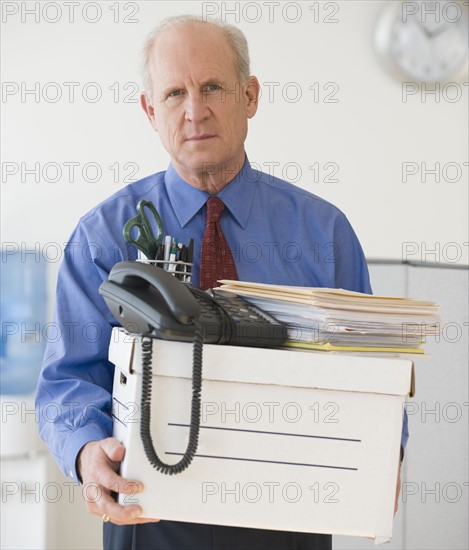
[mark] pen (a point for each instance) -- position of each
(160, 253)
(190, 259)
(179, 251)
(182, 257)
(167, 251)
(172, 257)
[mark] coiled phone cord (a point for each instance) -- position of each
(145, 435)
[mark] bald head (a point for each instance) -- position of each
(234, 38)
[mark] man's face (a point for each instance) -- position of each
(197, 105)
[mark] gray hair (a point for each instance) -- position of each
(235, 37)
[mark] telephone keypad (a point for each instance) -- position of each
(226, 318)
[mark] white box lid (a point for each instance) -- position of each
(298, 368)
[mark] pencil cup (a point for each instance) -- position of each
(181, 270)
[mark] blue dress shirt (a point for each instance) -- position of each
(278, 233)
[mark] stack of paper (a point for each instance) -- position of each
(341, 320)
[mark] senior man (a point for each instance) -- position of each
(199, 96)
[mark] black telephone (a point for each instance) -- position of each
(148, 300)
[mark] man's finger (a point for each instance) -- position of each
(105, 505)
(117, 512)
(135, 521)
(111, 480)
(113, 449)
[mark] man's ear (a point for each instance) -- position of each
(148, 108)
(251, 93)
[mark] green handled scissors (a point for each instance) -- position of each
(145, 240)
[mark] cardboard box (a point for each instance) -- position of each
(289, 440)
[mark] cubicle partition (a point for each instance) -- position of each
(433, 506)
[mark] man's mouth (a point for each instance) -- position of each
(200, 137)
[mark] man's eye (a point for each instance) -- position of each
(175, 93)
(211, 88)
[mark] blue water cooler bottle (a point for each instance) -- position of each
(23, 316)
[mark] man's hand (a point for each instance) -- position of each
(98, 463)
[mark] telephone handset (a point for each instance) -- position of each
(144, 298)
(150, 301)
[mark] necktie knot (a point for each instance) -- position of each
(215, 207)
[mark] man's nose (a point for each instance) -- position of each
(197, 108)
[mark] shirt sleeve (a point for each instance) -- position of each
(73, 398)
(351, 269)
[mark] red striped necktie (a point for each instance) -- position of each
(216, 259)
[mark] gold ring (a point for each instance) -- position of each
(105, 518)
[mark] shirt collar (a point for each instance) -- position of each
(187, 200)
